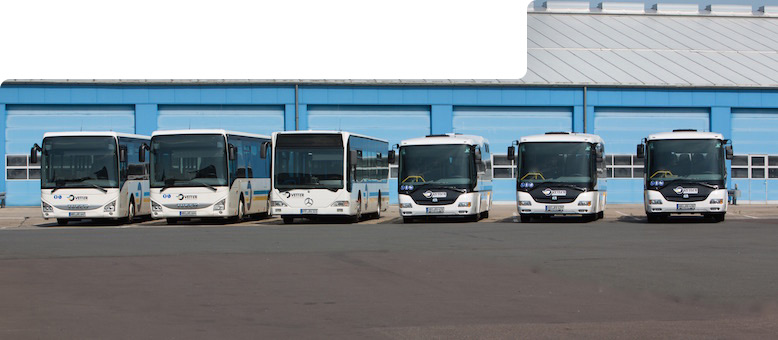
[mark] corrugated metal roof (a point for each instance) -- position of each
(597, 48)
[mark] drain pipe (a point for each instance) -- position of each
(296, 107)
(584, 109)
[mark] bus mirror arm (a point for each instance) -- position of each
(231, 152)
(142, 152)
(641, 151)
(263, 150)
(34, 153)
(511, 153)
(122, 154)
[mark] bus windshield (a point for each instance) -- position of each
(443, 165)
(556, 162)
(309, 162)
(188, 160)
(79, 162)
(686, 159)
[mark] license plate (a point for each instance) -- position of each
(77, 214)
(686, 206)
(309, 211)
(187, 213)
(555, 207)
(435, 210)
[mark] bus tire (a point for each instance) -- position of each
(287, 219)
(716, 218)
(655, 217)
(408, 220)
(130, 212)
(485, 214)
(525, 218)
(62, 221)
(171, 220)
(358, 216)
(600, 215)
(378, 211)
(241, 213)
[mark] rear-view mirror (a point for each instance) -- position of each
(511, 153)
(232, 152)
(34, 153)
(729, 152)
(641, 151)
(123, 154)
(391, 157)
(263, 150)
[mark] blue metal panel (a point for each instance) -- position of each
(624, 128)
(23, 193)
(441, 117)
(245, 118)
(25, 124)
(504, 190)
(289, 117)
(755, 131)
(625, 190)
(502, 125)
(145, 119)
(393, 123)
(3, 114)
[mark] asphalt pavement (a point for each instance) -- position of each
(614, 278)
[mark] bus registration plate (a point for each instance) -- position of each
(686, 206)
(435, 210)
(309, 211)
(187, 213)
(77, 214)
(555, 207)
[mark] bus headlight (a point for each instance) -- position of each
(465, 204)
(405, 205)
(525, 203)
(110, 207)
(716, 201)
(156, 207)
(654, 201)
(47, 207)
(278, 204)
(340, 204)
(219, 206)
(585, 203)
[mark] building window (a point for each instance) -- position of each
(18, 167)
(755, 166)
(503, 167)
(623, 166)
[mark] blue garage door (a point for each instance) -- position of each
(243, 118)
(624, 128)
(755, 167)
(501, 126)
(26, 124)
(393, 123)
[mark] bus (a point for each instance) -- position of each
(329, 173)
(92, 175)
(211, 173)
(444, 175)
(560, 173)
(685, 174)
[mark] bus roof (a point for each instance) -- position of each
(320, 132)
(563, 137)
(448, 138)
(93, 133)
(686, 134)
(206, 132)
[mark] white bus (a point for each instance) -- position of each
(329, 173)
(209, 174)
(560, 173)
(685, 174)
(92, 175)
(444, 175)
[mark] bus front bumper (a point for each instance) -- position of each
(159, 211)
(466, 204)
(716, 202)
(98, 213)
(302, 212)
(586, 203)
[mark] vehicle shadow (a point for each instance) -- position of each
(691, 219)
(547, 220)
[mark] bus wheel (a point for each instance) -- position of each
(600, 215)
(718, 217)
(525, 218)
(378, 212)
(62, 221)
(358, 216)
(485, 214)
(171, 220)
(287, 219)
(131, 212)
(408, 220)
(241, 212)
(655, 217)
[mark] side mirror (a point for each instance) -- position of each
(641, 152)
(511, 153)
(34, 153)
(598, 156)
(263, 150)
(729, 152)
(353, 156)
(391, 157)
(122, 154)
(478, 155)
(232, 152)
(142, 152)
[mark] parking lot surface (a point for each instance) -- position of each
(617, 277)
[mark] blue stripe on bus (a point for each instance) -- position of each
(146, 194)
(261, 192)
(373, 194)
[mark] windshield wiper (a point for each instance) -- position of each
(204, 184)
(560, 184)
(77, 180)
(99, 187)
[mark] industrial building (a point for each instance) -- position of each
(619, 70)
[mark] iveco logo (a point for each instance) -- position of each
(186, 205)
(78, 206)
(77, 198)
(431, 194)
(309, 201)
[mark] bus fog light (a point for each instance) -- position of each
(110, 207)
(585, 203)
(716, 201)
(405, 205)
(219, 206)
(155, 207)
(525, 203)
(47, 207)
(654, 201)
(278, 204)
(340, 204)
(465, 204)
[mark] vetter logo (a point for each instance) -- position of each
(431, 194)
(182, 197)
(549, 192)
(289, 194)
(685, 191)
(77, 198)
